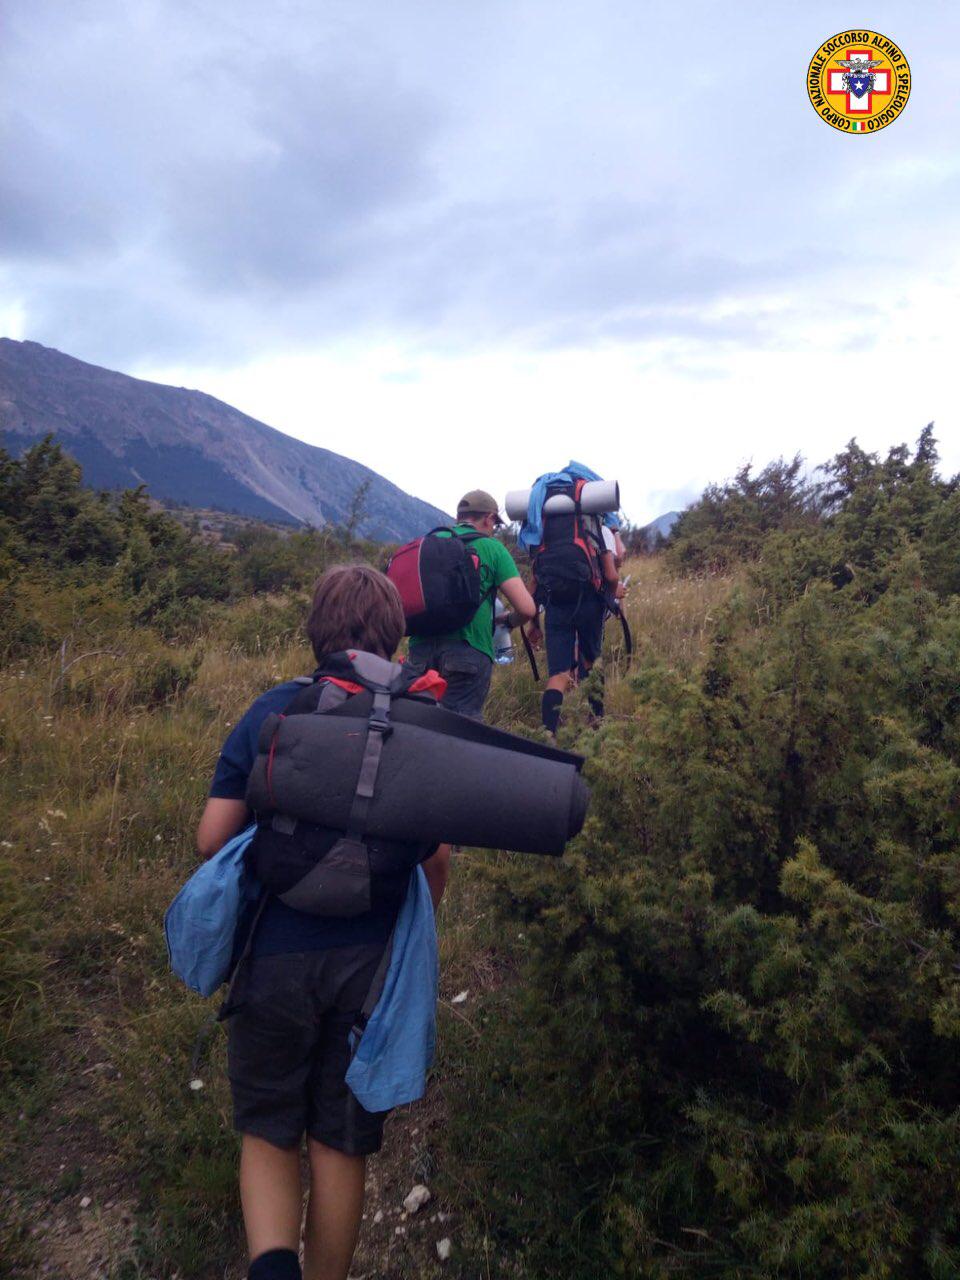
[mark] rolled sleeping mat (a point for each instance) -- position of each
(596, 498)
(433, 784)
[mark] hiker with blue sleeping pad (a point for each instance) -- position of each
(448, 581)
(320, 912)
(575, 551)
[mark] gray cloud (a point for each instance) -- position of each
(39, 220)
(326, 156)
(212, 180)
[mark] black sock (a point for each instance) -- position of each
(275, 1264)
(550, 705)
(595, 696)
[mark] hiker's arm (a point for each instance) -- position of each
(220, 820)
(523, 607)
(611, 578)
(437, 870)
(619, 550)
(534, 634)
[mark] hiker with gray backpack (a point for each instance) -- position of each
(323, 837)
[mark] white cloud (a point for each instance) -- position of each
(462, 243)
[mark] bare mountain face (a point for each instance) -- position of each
(659, 528)
(189, 448)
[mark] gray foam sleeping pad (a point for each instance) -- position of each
(431, 785)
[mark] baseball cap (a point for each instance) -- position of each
(478, 500)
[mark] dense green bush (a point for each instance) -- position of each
(732, 1049)
(81, 566)
(846, 524)
(270, 561)
(263, 626)
(729, 522)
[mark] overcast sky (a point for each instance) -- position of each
(463, 242)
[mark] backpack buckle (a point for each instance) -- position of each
(379, 720)
(380, 723)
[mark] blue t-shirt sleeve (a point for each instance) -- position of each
(240, 749)
(233, 767)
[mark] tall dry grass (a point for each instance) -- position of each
(103, 771)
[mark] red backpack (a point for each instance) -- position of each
(438, 578)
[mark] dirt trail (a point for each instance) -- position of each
(84, 1227)
(74, 1200)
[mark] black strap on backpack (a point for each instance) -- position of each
(613, 607)
(530, 655)
(377, 984)
(467, 539)
(337, 870)
(230, 1005)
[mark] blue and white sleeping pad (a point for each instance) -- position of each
(531, 530)
(393, 1043)
(201, 922)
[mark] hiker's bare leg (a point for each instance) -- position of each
(333, 1212)
(437, 870)
(270, 1195)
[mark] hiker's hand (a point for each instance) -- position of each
(534, 635)
(621, 591)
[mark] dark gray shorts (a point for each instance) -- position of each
(288, 1049)
(466, 670)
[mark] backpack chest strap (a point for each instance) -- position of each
(345, 870)
(379, 729)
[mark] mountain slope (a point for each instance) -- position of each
(189, 448)
(659, 528)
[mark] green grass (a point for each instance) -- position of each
(104, 771)
(103, 781)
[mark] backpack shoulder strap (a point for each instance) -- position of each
(331, 695)
(379, 729)
(384, 680)
(303, 700)
(473, 537)
(373, 994)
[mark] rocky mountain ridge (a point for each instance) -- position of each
(191, 449)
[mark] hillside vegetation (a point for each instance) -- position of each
(718, 1038)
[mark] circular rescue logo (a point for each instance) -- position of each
(858, 81)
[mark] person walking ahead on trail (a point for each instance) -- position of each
(465, 658)
(305, 984)
(576, 578)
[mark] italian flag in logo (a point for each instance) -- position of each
(858, 126)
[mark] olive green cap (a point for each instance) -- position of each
(478, 500)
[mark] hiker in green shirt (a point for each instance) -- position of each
(465, 657)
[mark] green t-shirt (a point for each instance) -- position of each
(496, 566)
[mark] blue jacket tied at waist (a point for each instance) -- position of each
(395, 1051)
